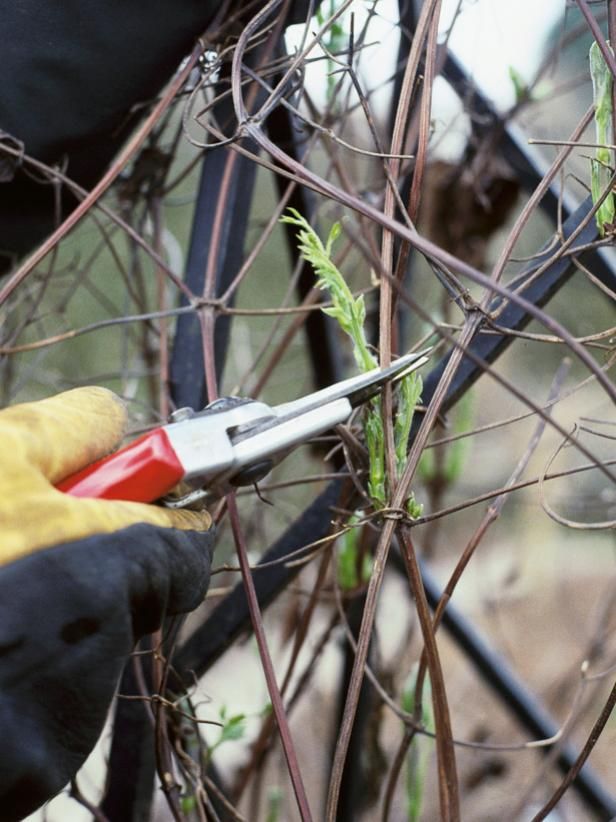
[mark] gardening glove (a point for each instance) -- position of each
(81, 581)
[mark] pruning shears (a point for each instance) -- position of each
(234, 441)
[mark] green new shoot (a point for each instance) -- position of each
(350, 312)
(351, 571)
(602, 166)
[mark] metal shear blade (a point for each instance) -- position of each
(357, 390)
(264, 442)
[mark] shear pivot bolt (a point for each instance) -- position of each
(182, 414)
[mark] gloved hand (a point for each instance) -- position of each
(81, 581)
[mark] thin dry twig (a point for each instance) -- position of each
(268, 667)
(584, 754)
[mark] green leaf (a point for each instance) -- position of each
(408, 398)
(375, 443)
(234, 728)
(274, 803)
(413, 508)
(519, 86)
(427, 465)
(456, 452)
(419, 749)
(601, 167)
(350, 572)
(334, 233)
(188, 804)
(458, 449)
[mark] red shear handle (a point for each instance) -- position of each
(145, 470)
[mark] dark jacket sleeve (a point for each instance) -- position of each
(77, 75)
(74, 74)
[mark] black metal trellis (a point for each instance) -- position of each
(187, 366)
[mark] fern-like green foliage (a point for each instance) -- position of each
(410, 394)
(350, 313)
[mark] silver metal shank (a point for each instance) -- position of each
(212, 458)
(203, 443)
(290, 432)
